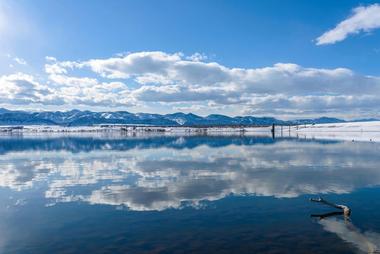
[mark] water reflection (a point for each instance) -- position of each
(341, 225)
(365, 242)
(157, 173)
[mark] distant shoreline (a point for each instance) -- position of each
(350, 131)
(131, 129)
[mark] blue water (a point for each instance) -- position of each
(191, 194)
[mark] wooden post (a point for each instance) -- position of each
(273, 131)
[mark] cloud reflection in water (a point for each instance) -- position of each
(167, 173)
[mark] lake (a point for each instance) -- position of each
(103, 193)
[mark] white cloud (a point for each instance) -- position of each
(197, 57)
(363, 19)
(157, 79)
(22, 89)
(133, 64)
(50, 58)
(20, 61)
(89, 91)
(15, 59)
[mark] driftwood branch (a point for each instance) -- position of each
(345, 209)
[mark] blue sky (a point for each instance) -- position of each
(230, 57)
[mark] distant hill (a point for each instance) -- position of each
(318, 120)
(88, 118)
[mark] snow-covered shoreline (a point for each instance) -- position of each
(352, 131)
(130, 129)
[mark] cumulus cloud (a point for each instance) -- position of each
(89, 91)
(363, 19)
(21, 88)
(159, 77)
(146, 79)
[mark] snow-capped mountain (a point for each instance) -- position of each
(86, 118)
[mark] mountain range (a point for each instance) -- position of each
(88, 118)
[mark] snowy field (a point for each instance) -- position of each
(352, 131)
(134, 129)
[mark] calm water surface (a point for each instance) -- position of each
(192, 194)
